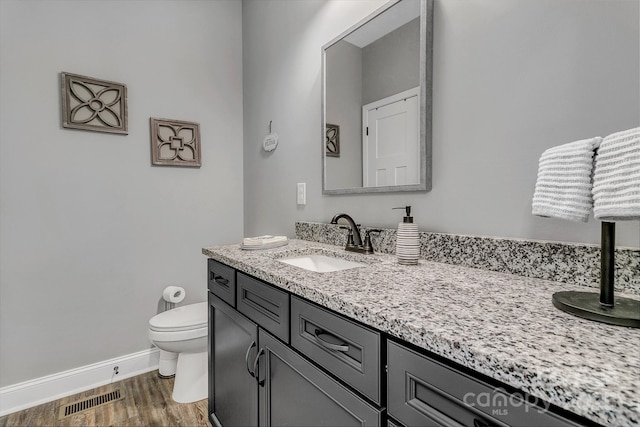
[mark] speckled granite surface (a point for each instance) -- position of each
(574, 264)
(501, 325)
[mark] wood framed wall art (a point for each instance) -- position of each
(92, 104)
(175, 143)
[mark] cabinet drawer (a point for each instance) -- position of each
(342, 347)
(222, 281)
(264, 304)
(424, 392)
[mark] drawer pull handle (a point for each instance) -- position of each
(481, 423)
(318, 334)
(221, 280)
(255, 367)
(246, 359)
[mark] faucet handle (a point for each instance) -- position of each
(367, 246)
(350, 242)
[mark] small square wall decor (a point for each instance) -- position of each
(92, 104)
(175, 143)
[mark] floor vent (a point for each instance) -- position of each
(91, 402)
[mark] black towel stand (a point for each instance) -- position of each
(602, 308)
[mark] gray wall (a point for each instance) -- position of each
(344, 108)
(510, 79)
(391, 64)
(90, 232)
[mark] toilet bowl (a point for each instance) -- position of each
(183, 330)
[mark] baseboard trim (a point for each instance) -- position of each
(51, 387)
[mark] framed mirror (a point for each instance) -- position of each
(376, 102)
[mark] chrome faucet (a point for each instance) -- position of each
(354, 240)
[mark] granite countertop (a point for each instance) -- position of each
(501, 325)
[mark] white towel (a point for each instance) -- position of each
(616, 179)
(264, 242)
(563, 188)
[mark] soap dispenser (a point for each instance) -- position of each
(407, 240)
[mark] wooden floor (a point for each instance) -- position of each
(147, 402)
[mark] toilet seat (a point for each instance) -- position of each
(190, 317)
(175, 336)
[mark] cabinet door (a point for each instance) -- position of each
(233, 390)
(293, 392)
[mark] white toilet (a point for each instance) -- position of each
(183, 330)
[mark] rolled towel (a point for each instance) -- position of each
(563, 187)
(616, 179)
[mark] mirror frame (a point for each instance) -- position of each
(426, 79)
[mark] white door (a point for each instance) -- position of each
(391, 153)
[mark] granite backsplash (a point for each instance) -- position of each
(562, 262)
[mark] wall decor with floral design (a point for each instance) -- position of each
(92, 104)
(175, 143)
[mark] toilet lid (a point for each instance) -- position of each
(192, 316)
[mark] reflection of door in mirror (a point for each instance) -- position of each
(390, 140)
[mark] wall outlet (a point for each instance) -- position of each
(302, 193)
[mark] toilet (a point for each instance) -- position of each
(183, 331)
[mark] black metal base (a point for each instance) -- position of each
(625, 311)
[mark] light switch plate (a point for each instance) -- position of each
(302, 193)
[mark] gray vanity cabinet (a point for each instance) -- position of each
(279, 360)
(293, 392)
(233, 390)
(255, 377)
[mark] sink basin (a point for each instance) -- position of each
(320, 263)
